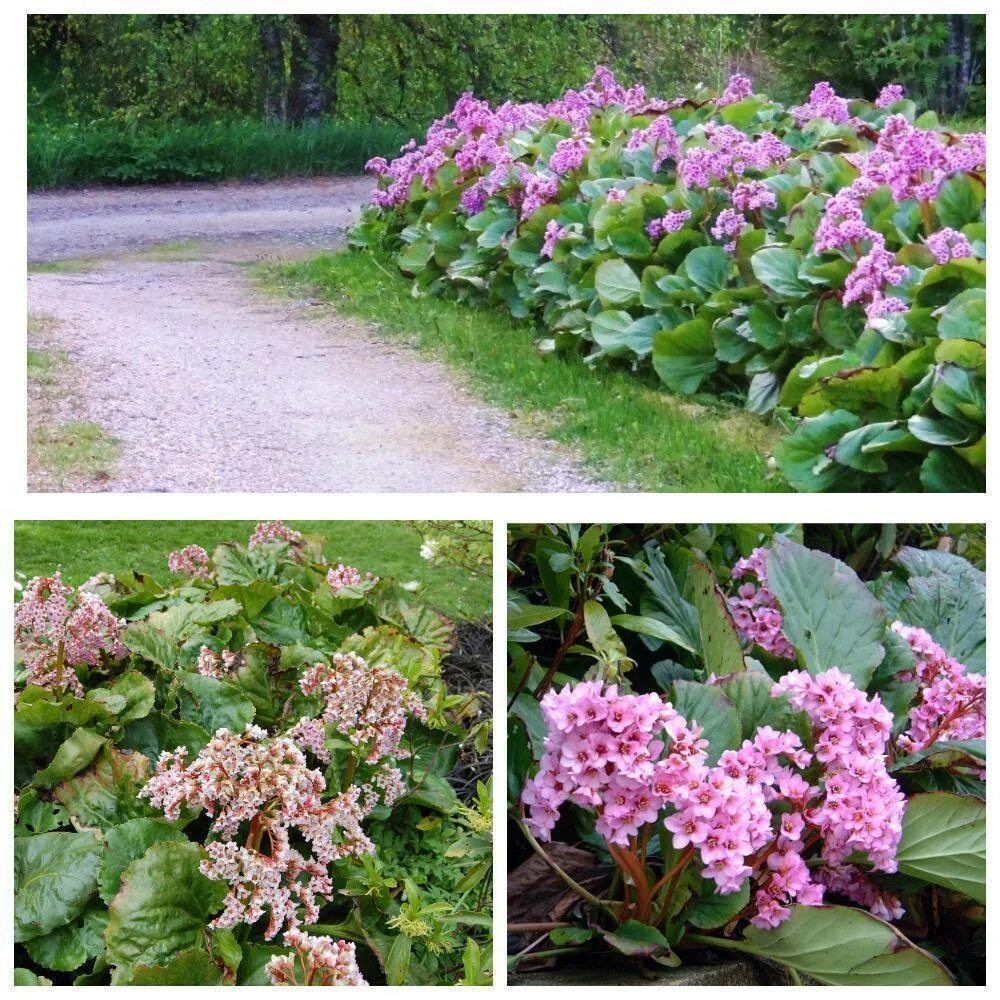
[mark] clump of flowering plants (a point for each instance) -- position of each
(762, 752)
(206, 768)
(826, 261)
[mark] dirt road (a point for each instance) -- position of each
(210, 385)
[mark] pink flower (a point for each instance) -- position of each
(58, 629)
(273, 531)
(755, 609)
(947, 244)
(738, 88)
(889, 94)
(553, 234)
(190, 561)
(668, 223)
(568, 155)
(315, 961)
(952, 701)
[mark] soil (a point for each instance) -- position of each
(210, 385)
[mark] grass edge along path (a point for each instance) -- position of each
(624, 430)
(387, 548)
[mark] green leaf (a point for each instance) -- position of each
(653, 627)
(138, 692)
(627, 241)
(639, 940)
(830, 616)
(713, 711)
(662, 599)
(778, 269)
(708, 267)
(720, 642)
(602, 635)
(943, 471)
(25, 977)
(802, 454)
(616, 283)
(281, 623)
(960, 201)
(948, 599)
(842, 946)
(71, 757)
(34, 815)
(124, 844)
(533, 614)
(54, 876)
(162, 908)
(157, 732)
(192, 967)
(684, 356)
(68, 947)
(397, 963)
(964, 317)
(711, 910)
(37, 706)
(233, 566)
(434, 792)
(415, 257)
(151, 644)
(944, 842)
(214, 704)
(107, 793)
(750, 692)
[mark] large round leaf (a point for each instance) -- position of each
(54, 876)
(830, 616)
(127, 842)
(163, 907)
(841, 946)
(713, 711)
(944, 842)
(616, 283)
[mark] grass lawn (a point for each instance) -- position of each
(626, 429)
(387, 548)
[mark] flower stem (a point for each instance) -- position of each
(568, 879)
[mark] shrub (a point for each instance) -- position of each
(824, 261)
(774, 756)
(204, 773)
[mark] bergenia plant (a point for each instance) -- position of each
(823, 261)
(206, 769)
(810, 768)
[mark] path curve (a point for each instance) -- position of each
(211, 386)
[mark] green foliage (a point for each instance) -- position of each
(665, 590)
(141, 151)
(107, 890)
(893, 402)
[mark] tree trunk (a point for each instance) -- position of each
(274, 91)
(966, 65)
(314, 63)
(953, 58)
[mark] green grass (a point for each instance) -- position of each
(76, 448)
(387, 548)
(626, 428)
(138, 152)
(42, 366)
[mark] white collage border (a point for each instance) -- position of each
(500, 509)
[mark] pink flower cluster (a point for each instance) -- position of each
(628, 757)
(315, 961)
(913, 163)
(755, 609)
(668, 223)
(952, 701)
(730, 152)
(273, 531)
(264, 784)
(823, 103)
(661, 136)
(947, 244)
(728, 227)
(58, 629)
(553, 234)
(190, 561)
(862, 807)
(738, 88)
(341, 576)
(369, 705)
(217, 665)
(889, 94)
(568, 155)
(853, 883)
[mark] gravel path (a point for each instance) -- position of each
(210, 386)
